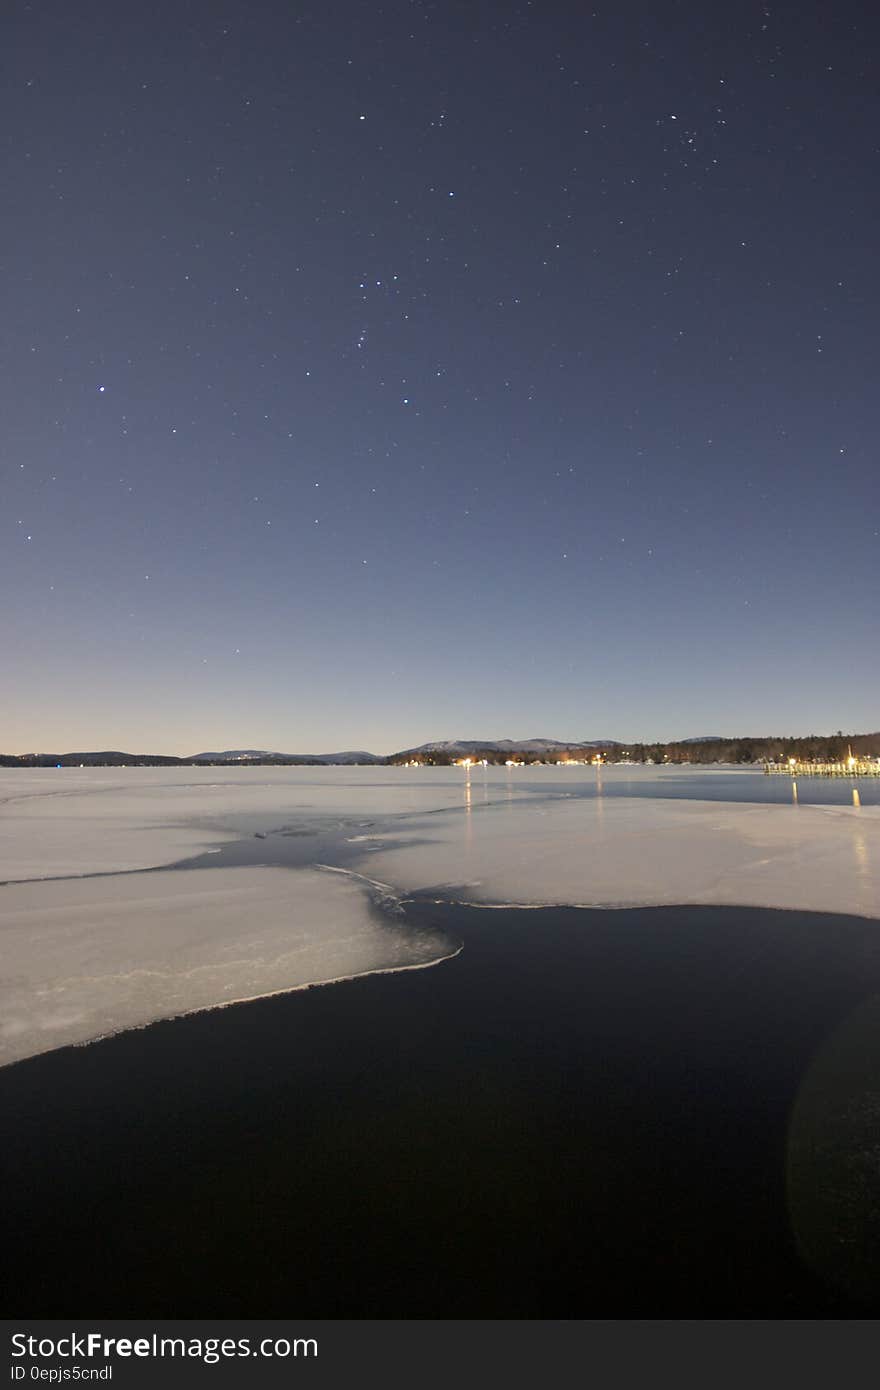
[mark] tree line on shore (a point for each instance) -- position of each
(809, 748)
(812, 748)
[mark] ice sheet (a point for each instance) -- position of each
(628, 853)
(86, 957)
(80, 957)
(55, 822)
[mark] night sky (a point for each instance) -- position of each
(379, 373)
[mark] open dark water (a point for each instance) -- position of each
(706, 784)
(586, 1113)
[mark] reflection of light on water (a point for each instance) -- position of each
(867, 901)
(468, 808)
(794, 792)
(863, 871)
(600, 798)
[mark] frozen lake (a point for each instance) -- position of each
(130, 895)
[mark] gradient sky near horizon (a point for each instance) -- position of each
(381, 373)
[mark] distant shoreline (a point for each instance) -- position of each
(703, 750)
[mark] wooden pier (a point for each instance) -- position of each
(846, 767)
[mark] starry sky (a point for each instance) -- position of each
(381, 373)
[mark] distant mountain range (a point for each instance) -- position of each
(444, 751)
(260, 755)
(537, 747)
(701, 748)
(441, 751)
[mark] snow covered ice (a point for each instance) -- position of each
(98, 934)
(635, 852)
(92, 956)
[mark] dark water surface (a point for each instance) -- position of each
(657, 1112)
(705, 784)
